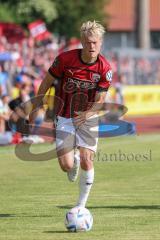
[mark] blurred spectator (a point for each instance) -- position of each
(119, 89)
(137, 68)
(27, 63)
(5, 134)
(21, 106)
(3, 80)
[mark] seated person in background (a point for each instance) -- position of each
(21, 107)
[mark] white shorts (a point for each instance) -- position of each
(69, 136)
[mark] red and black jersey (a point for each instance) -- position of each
(78, 82)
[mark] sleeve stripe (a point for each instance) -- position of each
(100, 89)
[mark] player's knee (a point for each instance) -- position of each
(86, 162)
(65, 166)
(86, 157)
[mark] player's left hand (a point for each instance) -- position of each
(81, 118)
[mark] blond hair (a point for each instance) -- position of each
(92, 28)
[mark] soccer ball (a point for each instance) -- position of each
(78, 219)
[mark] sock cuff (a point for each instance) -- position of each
(89, 174)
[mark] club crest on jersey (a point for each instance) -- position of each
(96, 77)
(109, 76)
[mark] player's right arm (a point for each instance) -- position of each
(38, 100)
(55, 72)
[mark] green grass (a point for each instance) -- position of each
(125, 198)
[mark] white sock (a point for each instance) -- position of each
(85, 184)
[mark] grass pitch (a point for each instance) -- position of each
(124, 201)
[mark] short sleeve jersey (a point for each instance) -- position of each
(78, 82)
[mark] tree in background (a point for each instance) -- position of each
(63, 17)
(72, 13)
(6, 12)
(26, 11)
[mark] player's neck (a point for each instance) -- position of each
(87, 59)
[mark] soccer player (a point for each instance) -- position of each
(83, 77)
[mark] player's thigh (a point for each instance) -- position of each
(86, 158)
(65, 143)
(65, 134)
(87, 134)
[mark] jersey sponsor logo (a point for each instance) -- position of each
(95, 77)
(72, 84)
(109, 76)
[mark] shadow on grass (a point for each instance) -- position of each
(56, 231)
(67, 207)
(136, 207)
(24, 216)
(7, 215)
